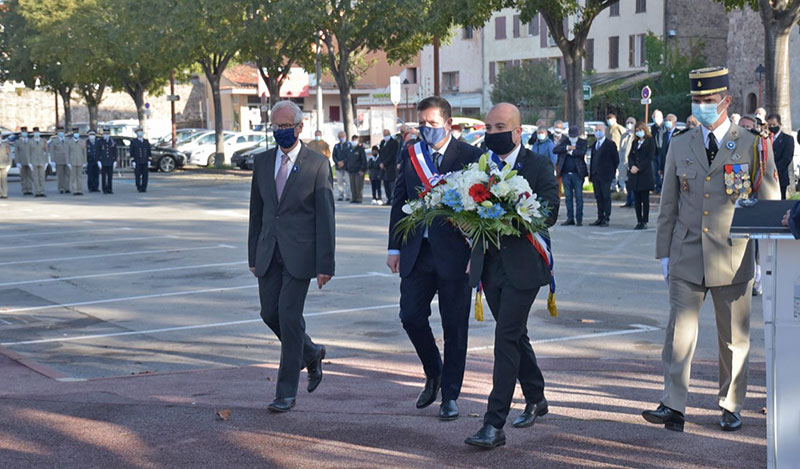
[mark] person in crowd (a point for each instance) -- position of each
(341, 151)
(691, 123)
(615, 131)
(319, 145)
(433, 261)
(511, 278)
(571, 168)
(458, 133)
(5, 163)
(558, 131)
(22, 154)
(540, 143)
(92, 162)
(108, 161)
(783, 149)
(761, 114)
(792, 220)
(76, 162)
(388, 156)
(640, 172)
(669, 131)
(625, 150)
(140, 159)
(356, 165)
(604, 162)
(291, 239)
(657, 130)
(374, 169)
(735, 118)
(40, 160)
(703, 178)
(57, 150)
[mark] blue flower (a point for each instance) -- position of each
(452, 199)
(495, 211)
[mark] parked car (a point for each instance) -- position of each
(181, 137)
(239, 158)
(163, 159)
(251, 156)
(201, 150)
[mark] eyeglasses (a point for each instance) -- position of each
(283, 126)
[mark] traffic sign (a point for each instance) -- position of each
(394, 90)
(173, 97)
(587, 92)
(647, 101)
(646, 93)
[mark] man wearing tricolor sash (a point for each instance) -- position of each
(433, 261)
(511, 277)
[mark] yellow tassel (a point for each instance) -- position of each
(551, 305)
(478, 306)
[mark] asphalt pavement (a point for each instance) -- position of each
(128, 320)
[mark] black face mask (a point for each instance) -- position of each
(501, 142)
(775, 129)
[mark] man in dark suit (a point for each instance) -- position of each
(605, 159)
(107, 151)
(511, 278)
(387, 159)
(291, 240)
(140, 159)
(666, 137)
(783, 148)
(657, 129)
(93, 162)
(571, 168)
(433, 261)
(356, 164)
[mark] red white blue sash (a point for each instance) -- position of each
(423, 165)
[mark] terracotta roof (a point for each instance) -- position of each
(242, 75)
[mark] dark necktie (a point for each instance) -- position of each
(502, 164)
(711, 151)
(437, 159)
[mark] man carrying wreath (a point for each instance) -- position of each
(511, 276)
(433, 259)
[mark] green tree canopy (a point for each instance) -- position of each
(534, 87)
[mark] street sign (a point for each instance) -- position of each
(647, 101)
(173, 97)
(394, 90)
(646, 93)
(587, 92)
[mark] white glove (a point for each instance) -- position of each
(665, 268)
(30, 165)
(148, 163)
(69, 166)
(53, 166)
(133, 163)
(115, 165)
(757, 279)
(19, 165)
(99, 165)
(84, 166)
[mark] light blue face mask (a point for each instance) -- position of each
(706, 114)
(432, 135)
(598, 134)
(640, 133)
(541, 137)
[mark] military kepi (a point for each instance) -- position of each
(707, 81)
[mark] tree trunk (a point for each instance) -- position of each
(219, 156)
(274, 88)
(573, 66)
(137, 94)
(776, 61)
(66, 93)
(346, 102)
(93, 97)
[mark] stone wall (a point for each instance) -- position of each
(24, 106)
(702, 21)
(746, 53)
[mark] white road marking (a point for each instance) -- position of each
(159, 295)
(5, 322)
(638, 328)
(88, 242)
(227, 213)
(43, 233)
(611, 233)
(135, 253)
(114, 274)
(184, 328)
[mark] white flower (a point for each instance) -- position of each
(501, 189)
(407, 209)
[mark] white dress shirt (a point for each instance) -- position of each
(719, 133)
(292, 158)
(511, 159)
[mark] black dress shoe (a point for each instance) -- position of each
(429, 392)
(730, 422)
(528, 416)
(596, 222)
(315, 370)
(487, 437)
(281, 404)
(626, 206)
(448, 410)
(638, 226)
(671, 419)
(578, 223)
(568, 223)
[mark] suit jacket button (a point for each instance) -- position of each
(708, 178)
(705, 230)
(707, 196)
(705, 212)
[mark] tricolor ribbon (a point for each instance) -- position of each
(423, 165)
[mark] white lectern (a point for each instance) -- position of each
(780, 267)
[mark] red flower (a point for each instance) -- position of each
(479, 193)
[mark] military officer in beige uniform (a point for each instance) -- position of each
(22, 155)
(57, 148)
(708, 170)
(76, 161)
(40, 161)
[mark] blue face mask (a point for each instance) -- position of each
(317, 138)
(599, 134)
(432, 135)
(706, 114)
(541, 137)
(139, 134)
(285, 137)
(640, 133)
(61, 135)
(24, 134)
(668, 124)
